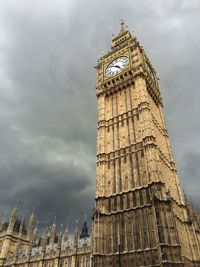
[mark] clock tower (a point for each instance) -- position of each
(141, 217)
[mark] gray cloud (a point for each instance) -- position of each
(48, 103)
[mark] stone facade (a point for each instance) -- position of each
(21, 247)
(141, 217)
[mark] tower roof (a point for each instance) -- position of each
(122, 37)
(84, 232)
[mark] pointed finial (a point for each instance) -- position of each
(61, 229)
(123, 27)
(48, 230)
(21, 225)
(54, 220)
(66, 234)
(76, 227)
(85, 216)
(122, 22)
(32, 217)
(101, 53)
(3, 220)
(33, 211)
(36, 226)
(17, 203)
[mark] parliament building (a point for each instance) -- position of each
(141, 216)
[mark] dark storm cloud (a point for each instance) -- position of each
(47, 95)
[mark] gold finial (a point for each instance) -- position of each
(122, 22)
(122, 25)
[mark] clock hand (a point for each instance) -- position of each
(118, 67)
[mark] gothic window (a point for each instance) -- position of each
(128, 202)
(145, 235)
(147, 196)
(62, 264)
(115, 204)
(137, 239)
(121, 202)
(109, 205)
(141, 198)
(69, 262)
(134, 199)
(109, 165)
(88, 261)
(79, 262)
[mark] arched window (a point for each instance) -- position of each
(88, 261)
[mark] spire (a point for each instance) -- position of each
(84, 232)
(76, 233)
(44, 242)
(21, 228)
(60, 236)
(13, 217)
(14, 211)
(36, 226)
(122, 37)
(34, 237)
(2, 224)
(32, 217)
(53, 232)
(66, 234)
(31, 223)
(123, 29)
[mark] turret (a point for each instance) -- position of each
(31, 225)
(13, 217)
(1, 225)
(44, 242)
(34, 237)
(60, 237)
(84, 232)
(52, 233)
(66, 234)
(76, 234)
(21, 228)
(18, 247)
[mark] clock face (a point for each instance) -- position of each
(116, 66)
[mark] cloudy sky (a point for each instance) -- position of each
(48, 50)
